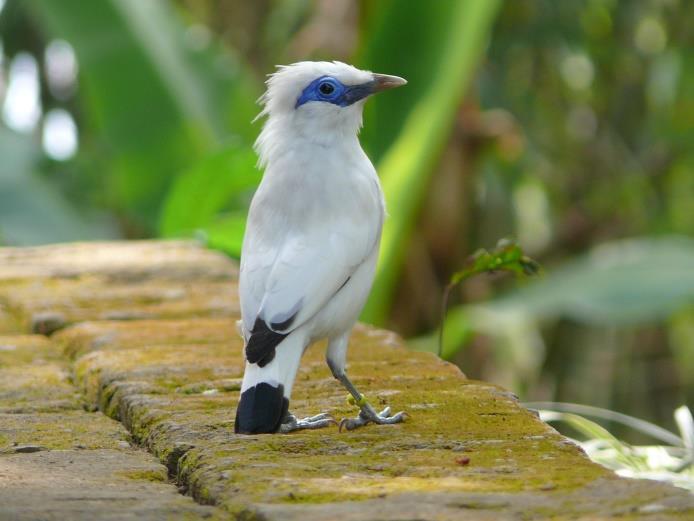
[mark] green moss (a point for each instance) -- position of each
(10, 317)
(19, 350)
(65, 430)
(115, 335)
(146, 475)
(406, 458)
(157, 391)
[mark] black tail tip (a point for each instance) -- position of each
(261, 409)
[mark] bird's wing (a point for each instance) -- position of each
(306, 272)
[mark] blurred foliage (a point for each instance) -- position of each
(159, 103)
(599, 287)
(207, 184)
(461, 30)
(565, 125)
(31, 210)
(507, 256)
(673, 462)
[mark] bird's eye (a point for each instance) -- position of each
(326, 88)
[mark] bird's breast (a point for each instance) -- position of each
(309, 186)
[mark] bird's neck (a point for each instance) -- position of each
(285, 135)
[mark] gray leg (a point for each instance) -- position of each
(367, 413)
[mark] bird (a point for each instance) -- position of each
(311, 242)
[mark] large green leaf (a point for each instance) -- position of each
(157, 104)
(461, 30)
(626, 282)
(407, 42)
(201, 193)
(226, 233)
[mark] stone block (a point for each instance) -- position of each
(144, 332)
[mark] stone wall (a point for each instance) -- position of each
(120, 367)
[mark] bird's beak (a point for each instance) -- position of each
(384, 82)
(379, 83)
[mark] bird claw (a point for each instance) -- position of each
(292, 423)
(368, 415)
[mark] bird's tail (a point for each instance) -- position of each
(266, 390)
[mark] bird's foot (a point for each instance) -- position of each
(367, 414)
(292, 423)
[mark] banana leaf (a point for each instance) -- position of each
(457, 32)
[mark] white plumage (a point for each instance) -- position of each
(312, 234)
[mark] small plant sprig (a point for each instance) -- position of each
(506, 256)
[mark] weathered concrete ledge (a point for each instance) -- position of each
(58, 461)
(145, 333)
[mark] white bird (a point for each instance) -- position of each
(312, 239)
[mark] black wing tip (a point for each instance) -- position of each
(281, 326)
(260, 348)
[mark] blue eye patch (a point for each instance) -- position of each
(330, 90)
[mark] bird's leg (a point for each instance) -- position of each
(292, 423)
(336, 358)
(367, 413)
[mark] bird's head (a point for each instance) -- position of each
(321, 100)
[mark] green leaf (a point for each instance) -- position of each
(664, 463)
(594, 432)
(201, 193)
(622, 282)
(587, 428)
(226, 234)
(642, 426)
(407, 42)
(618, 283)
(507, 256)
(157, 104)
(406, 167)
